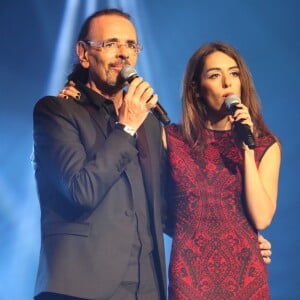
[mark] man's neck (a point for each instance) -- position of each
(115, 96)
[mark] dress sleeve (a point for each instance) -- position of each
(263, 144)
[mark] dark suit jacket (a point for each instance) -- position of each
(84, 187)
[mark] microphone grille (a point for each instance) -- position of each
(232, 100)
(127, 72)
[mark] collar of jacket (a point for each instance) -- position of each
(88, 96)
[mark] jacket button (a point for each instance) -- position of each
(129, 213)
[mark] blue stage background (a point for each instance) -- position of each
(36, 53)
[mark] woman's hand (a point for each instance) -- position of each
(242, 115)
(69, 91)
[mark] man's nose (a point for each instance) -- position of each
(122, 50)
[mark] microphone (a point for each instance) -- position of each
(128, 73)
(243, 130)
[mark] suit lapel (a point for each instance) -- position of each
(146, 165)
(99, 116)
(99, 108)
(98, 112)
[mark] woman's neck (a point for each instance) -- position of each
(219, 124)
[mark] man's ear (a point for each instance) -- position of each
(82, 54)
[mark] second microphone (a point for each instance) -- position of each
(128, 73)
(243, 130)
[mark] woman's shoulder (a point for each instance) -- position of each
(266, 140)
(173, 129)
(174, 136)
(263, 143)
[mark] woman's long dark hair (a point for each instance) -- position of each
(194, 113)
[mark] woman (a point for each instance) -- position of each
(222, 192)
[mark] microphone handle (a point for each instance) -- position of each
(160, 114)
(157, 110)
(243, 130)
(246, 134)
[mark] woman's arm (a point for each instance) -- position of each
(261, 185)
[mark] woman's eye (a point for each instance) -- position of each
(213, 76)
(235, 74)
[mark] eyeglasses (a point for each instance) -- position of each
(114, 45)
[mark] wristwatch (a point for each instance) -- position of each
(126, 128)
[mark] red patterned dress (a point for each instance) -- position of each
(215, 252)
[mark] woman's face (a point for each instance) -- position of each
(220, 77)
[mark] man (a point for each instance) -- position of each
(99, 165)
(98, 168)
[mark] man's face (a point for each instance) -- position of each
(105, 63)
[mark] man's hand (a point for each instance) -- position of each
(265, 249)
(134, 108)
(137, 102)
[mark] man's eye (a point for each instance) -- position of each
(131, 45)
(109, 44)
